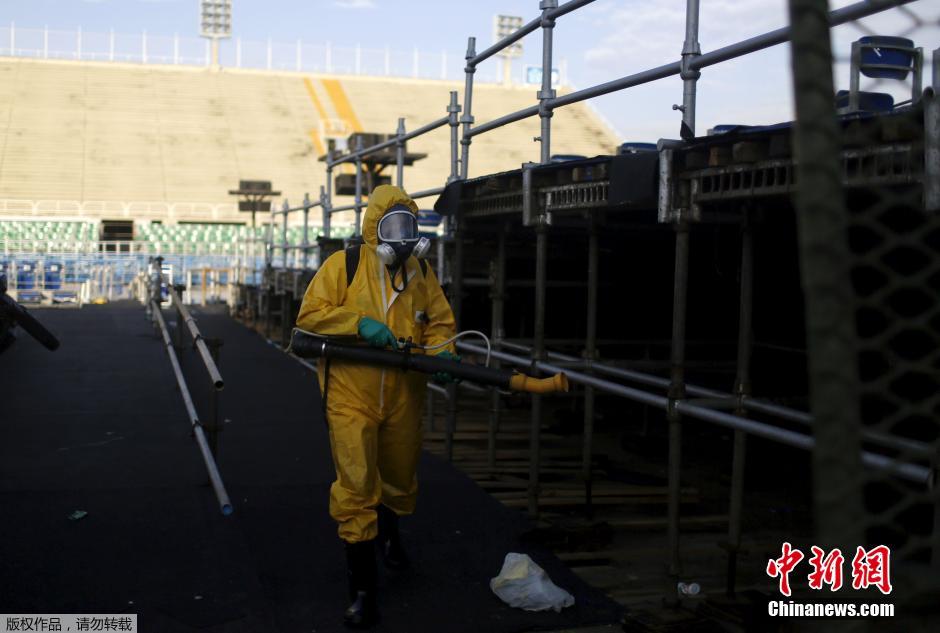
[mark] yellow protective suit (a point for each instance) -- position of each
(374, 414)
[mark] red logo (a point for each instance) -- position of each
(783, 566)
(826, 570)
(871, 568)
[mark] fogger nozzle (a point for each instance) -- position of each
(551, 384)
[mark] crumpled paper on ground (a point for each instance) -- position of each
(522, 583)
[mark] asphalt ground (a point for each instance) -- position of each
(99, 427)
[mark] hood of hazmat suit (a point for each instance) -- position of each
(374, 414)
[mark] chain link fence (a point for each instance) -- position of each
(870, 261)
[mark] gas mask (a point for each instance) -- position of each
(398, 237)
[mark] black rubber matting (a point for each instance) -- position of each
(99, 426)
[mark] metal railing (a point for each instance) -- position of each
(266, 54)
(398, 142)
(26, 209)
(151, 286)
(912, 472)
(688, 68)
(106, 269)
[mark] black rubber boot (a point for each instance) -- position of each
(393, 554)
(360, 561)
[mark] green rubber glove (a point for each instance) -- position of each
(444, 377)
(376, 334)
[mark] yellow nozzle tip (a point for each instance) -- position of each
(521, 382)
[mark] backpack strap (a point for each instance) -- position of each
(352, 263)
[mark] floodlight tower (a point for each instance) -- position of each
(215, 24)
(503, 26)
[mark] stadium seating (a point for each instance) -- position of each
(62, 233)
(46, 233)
(119, 133)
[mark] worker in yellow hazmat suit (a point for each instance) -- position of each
(374, 414)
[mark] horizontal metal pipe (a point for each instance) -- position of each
(201, 346)
(759, 42)
(781, 35)
(908, 471)
(469, 386)
(911, 472)
(430, 127)
(525, 29)
(506, 42)
(646, 379)
(348, 207)
(433, 125)
(656, 381)
(438, 389)
(363, 152)
(426, 193)
(636, 79)
(584, 379)
(312, 205)
(214, 477)
(501, 121)
(914, 447)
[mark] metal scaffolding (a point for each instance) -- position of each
(831, 430)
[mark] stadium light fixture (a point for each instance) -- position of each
(503, 26)
(215, 23)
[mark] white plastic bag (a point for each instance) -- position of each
(521, 583)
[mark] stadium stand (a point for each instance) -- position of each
(47, 230)
(167, 143)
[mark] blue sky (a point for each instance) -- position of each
(606, 40)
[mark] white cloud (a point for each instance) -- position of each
(633, 35)
(639, 34)
(354, 4)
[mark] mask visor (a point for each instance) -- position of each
(398, 226)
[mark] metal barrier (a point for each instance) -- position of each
(297, 56)
(105, 270)
(688, 68)
(151, 287)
